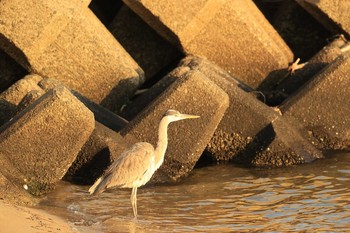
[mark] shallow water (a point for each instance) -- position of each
(222, 198)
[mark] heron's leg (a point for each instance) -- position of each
(134, 200)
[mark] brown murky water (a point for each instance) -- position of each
(223, 198)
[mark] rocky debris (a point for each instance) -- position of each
(192, 93)
(204, 28)
(42, 141)
(148, 49)
(52, 39)
(322, 106)
(334, 15)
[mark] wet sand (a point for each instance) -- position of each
(18, 219)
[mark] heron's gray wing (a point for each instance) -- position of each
(132, 166)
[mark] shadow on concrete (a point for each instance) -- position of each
(260, 143)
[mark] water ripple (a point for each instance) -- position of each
(307, 198)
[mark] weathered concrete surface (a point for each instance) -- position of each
(250, 50)
(249, 132)
(101, 114)
(333, 14)
(288, 146)
(64, 40)
(191, 93)
(322, 106)
(10, 71)
(101, 149)
(43, 140)
(152, 52)
(15, 93)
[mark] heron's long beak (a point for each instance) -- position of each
(187, 116)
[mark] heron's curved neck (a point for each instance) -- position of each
(162, 142)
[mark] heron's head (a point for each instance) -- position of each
(174, 115)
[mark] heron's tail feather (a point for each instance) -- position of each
(100, 184)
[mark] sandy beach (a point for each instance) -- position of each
(18, 219)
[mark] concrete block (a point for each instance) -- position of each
(246, 134)
(12, 97)
(191, 93)
(140, 102)
(322, 106)
(152, 52)
(101, 149)
(10, 71)
(280, 143)
(18, 90)
(143, 100)
(43, 140)
(249, 133)
(30, 88)
(327, 55)
(250, 49)
(65, 41)
(102, 115)
(334, 15)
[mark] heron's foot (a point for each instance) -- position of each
(296, 66)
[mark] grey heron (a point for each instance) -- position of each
(137, 164)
